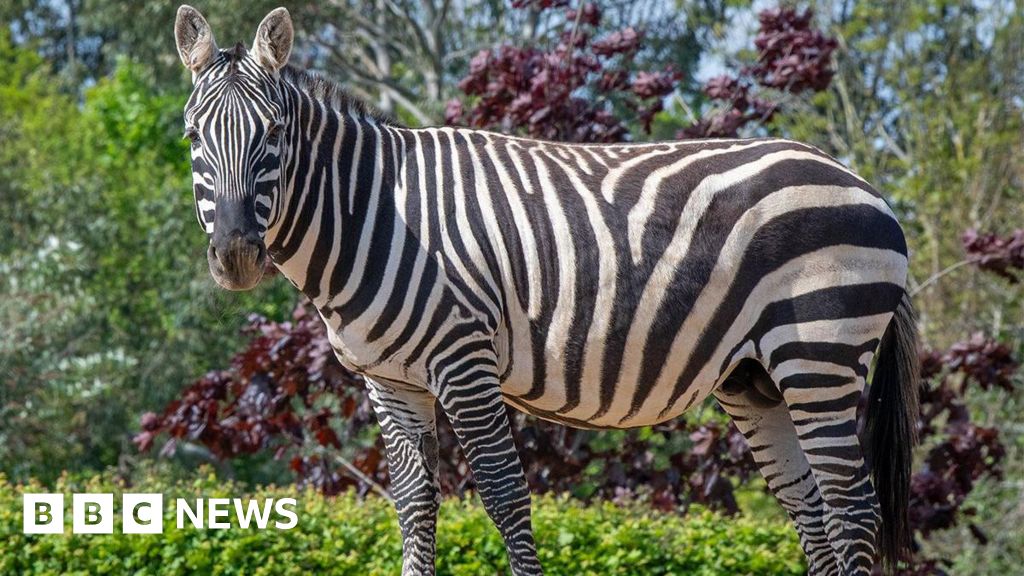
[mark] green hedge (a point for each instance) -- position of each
(346, 535)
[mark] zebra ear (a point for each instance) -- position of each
(273, 41)
(192, 34)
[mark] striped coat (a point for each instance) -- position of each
(563, 254)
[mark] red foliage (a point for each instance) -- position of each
(591, 14)
(952, 467)
(1001, 256)
(285, 394)
(980, 360)
(961, 452)
(624, 41)
(568, 92)
(792, 57)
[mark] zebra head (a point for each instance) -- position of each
(234, 120)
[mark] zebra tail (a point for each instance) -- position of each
(891, 428)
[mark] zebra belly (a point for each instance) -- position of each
(655, 407)
(647, 417)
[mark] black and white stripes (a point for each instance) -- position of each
(601, 286)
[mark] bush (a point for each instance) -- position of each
(348, 535)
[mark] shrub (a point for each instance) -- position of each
(349, 535)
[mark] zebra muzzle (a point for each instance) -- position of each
(237, 263)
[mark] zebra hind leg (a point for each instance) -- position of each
(822, 399)
(407, 423)
(750, 398)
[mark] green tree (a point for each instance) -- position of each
(928, 105)
(105, 302)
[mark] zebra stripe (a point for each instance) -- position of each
(602, 286)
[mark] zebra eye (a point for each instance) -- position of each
(274, 132)
(192, 135)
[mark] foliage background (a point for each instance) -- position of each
(107, 311)
(350, 536)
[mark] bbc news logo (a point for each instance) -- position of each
(144, 513)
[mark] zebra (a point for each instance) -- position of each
(598, 286)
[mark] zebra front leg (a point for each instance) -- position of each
(474, 405)
(407, 423)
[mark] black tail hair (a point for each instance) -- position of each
(891, 427)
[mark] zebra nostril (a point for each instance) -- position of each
(221, 257)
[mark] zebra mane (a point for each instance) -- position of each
(316, 86)
(331, 93)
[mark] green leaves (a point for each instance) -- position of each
(345, 535)
(106, 306)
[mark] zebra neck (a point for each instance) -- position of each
(337, 206)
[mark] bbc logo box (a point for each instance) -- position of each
(43, 513)
(144, 513)
(93, 513)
